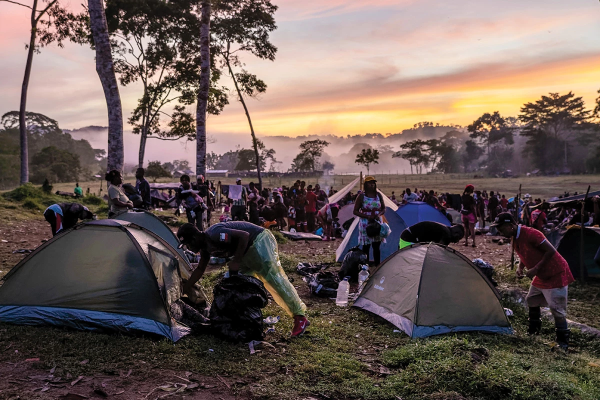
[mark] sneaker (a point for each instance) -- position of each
(300, 325)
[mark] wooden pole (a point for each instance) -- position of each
(581, 245)
(361, 181)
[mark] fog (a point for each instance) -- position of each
(341, 151)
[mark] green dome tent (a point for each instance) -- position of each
(568, 244)
(429, 289)
(106, 275)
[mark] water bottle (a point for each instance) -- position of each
(363, 275)
(342, 293)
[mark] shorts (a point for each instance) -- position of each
(556, 299)
(468, 219)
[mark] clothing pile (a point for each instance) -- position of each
(236, 311)
(321, 283)
(352, 262)
(487, 269)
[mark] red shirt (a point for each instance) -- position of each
(538, 219)
(554, 274)
(311, 202)
(504, 203)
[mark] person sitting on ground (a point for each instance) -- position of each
(64, 216)
(550, 273)
(429, 231)
(118, 201)
(327, 215)
(254, 251)
(78, 190)
(143, 188)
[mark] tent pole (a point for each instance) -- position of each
(581, 246)
(517, 204)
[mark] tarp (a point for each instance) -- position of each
(575, 201)
(418, 211)
(100, 275)
(568, 244)
(165, 186)
(340, 194)
(300, 235)
(429, 289)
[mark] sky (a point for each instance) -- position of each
(354, 66)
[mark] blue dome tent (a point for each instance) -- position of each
(418, 211)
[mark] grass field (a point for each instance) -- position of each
(347, 353)
(544, 187)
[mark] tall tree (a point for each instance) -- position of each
(203, 91)
(554, 117)
(106, 72)
(489, 129)
(310, 152)
(367, 157)
(42, 33)
(415, 153)
(244, 26)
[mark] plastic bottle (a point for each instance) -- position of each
(342, 293)
(363, 275)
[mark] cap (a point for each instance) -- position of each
(238, 180)
(470, 187)
(527, 196)
(504, 218)
(370, 179)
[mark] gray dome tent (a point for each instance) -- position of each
(100, 275)
(429, 289)
(151, 222)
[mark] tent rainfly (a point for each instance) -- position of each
(106, 275)
(429, 289)
(418, 211)
(568, 244)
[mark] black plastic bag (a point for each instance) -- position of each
(322, 284)
(236, 311)
(352, 262)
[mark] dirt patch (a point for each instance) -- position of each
(18, 237)
(24, 380)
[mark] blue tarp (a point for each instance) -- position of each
(418, 211)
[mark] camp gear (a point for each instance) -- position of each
(322, 284)
(262, 261)
(236, 313)
(385, 230)
(300, 235)
(343, 291)
(487, 269)
(373, 229)
(429, 289)
(562, 338)
(504, 218)
(418, 211)
(363, 275)
(300, 325)
(352, 262)
(100, 275)
(568, 244)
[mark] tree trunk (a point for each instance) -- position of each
(257, 156)
(142, 152)
(23, 105)
(106, 73)
(202, 102)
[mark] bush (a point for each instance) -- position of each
(23, 192)
(92, 200)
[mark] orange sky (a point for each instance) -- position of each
(351, 66)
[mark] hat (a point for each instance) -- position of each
(470, 187)
(504, 218)
(238, 180)
(527, 196)
(370, 179)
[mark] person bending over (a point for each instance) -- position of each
(550, 273)
(429, 231)
(64, 216)
(254, 252)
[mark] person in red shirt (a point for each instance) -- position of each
(539, 218)
(550, 273)
(311, 208)
(504, 203)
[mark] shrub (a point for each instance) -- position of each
(23, 192)
(33, 204)
(92, 200)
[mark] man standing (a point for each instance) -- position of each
(548, 269)
(254, 252)
(192, 202)
(493, 206)
(143, 187)
(311, 208)
(238, 209)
